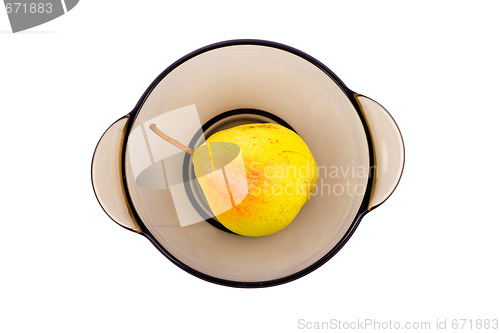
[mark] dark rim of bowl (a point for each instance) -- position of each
(364, 204)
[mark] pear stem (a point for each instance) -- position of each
(165, 137)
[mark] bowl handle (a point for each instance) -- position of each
(107, 178)
(388, 150)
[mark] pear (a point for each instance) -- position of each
(255, 177)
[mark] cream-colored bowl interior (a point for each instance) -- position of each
(295, 90)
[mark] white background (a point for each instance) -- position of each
(430, 252)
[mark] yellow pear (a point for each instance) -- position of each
(255, 177)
